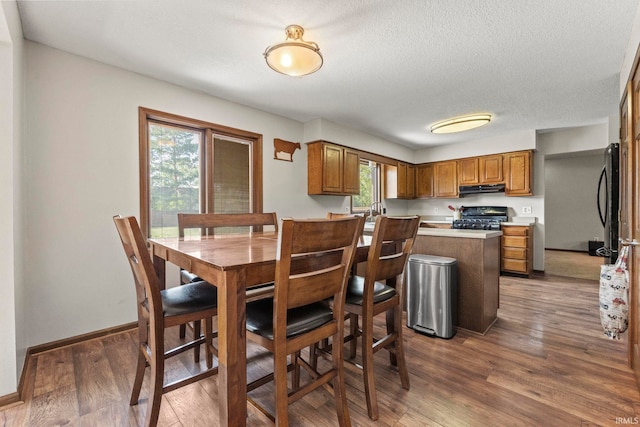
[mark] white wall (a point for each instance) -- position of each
(7, 302)
(570, 202)
(630, 54)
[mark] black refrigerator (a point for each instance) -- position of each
(609, 201)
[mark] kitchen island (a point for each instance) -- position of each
(478, 256)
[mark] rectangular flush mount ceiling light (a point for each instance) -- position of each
(460, 123)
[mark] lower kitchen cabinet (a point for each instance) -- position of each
(517, 249)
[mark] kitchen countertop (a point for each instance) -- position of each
(521, 221)
(460, 233)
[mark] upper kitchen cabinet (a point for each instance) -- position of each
(424, 180)
(518, 169)
(490, 169)
(332, 169)
(468, 171)
(445, 179)
(399, 181)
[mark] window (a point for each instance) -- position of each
(187, 165)
(369, 186)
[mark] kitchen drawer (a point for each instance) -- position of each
(510, 230)
(516, 265)
(514, 253)
(514, 241)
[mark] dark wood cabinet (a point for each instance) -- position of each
(490, 169)
(424, 180)
(518, 173)
(445, 179)
(468, 171)
(332, 169)
(399, 182)
(517, 249)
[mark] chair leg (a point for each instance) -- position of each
(391, 329)
(137, 382)
(367, 365)
(313, 356)
(208, 342)
(196, 335)
(183, 331)
(280, 380)
(354, 332)
(155, 389)
(399, 348)
(339, 391)
(295, 376)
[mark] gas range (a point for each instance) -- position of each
(481, 217)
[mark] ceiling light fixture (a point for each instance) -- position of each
(461, 123)
(294, 57)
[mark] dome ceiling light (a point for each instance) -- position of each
(294, 57)
(460, 123)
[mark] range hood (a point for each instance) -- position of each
(481, 189)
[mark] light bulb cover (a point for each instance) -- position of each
(461, 123)
(294, 57)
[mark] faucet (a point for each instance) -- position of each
(373, 207)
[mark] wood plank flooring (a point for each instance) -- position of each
(544, 363)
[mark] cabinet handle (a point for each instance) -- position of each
(625, 242)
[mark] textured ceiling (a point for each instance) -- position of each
(391, 68)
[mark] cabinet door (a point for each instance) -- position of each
(332, 169)
(445, 179)
(424, 180)
(518, 173)
(491, 169)
(468, 171)
(402, 180)
(411, 182)
(351, 172)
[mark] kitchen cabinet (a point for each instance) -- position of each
(332, 169)
(468, 171)
(399, 182)
(424, 180)
(478, 273)
(490, 169)
(445, 179)
(518, 173)
(517, 249)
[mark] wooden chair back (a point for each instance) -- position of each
(207, 222)
(399, 230)
(335, 215)
(145, 278)
(311, 269)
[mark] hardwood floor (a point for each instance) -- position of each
(545, 362)
(579, 265)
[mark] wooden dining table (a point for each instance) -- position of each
(232, 263)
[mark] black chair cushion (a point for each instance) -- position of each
(381, 292)
(189, 298)
(299, 319)
(188, 277)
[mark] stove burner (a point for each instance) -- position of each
(481, 218)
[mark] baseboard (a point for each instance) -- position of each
(565, 250)
(54, 345)
(9, 399)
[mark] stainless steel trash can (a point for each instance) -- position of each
(432, 295)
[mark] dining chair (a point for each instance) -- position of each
(160, 309)
(335, 215)
(207, 223)
(380, 291)
(309, 271)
